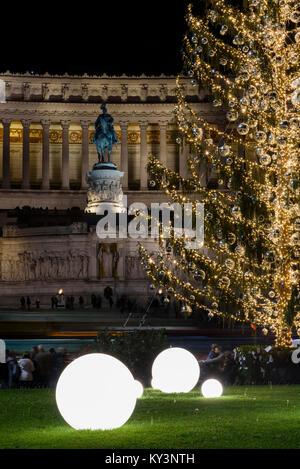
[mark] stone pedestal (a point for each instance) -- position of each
(104, 188)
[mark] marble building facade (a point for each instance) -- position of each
(46, 132)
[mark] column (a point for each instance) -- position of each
(163, 142)
(85, 153)
(143, 156)
(6, 154)
(124, 153)
(46, 155)
(26, 154)
(65, 170)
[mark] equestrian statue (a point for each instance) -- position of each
(105, 136)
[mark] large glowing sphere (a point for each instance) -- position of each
(212, 388)
(96, 392)
(175, 370)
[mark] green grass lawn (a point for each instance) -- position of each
(244, 417)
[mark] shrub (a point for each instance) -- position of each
(136, 349)
(257, 366)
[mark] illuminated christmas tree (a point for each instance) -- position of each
(246, 57)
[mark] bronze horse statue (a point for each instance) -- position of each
(105, 136)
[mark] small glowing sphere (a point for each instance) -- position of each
(60, 291)
(96, 392)
(175, 370)
(212, 388)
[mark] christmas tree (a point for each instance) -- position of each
(246, 58)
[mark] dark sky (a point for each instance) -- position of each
(94, 37)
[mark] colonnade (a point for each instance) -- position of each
(85, 124)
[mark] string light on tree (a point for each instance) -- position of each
(251, 261)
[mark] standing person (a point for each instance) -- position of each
(28, 302)
(23, 302)
(37, 303)
(33, 353)
(53, 374)
(44, 362)
(214, 366)
(14, 370)
(108, 293)
(27, 367)
(52, 302)
(81, 302)
(60, 360)
(213, 353)
(4, 374)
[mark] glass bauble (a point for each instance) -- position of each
(260, 219)
(297, 224)
(284, 124)
(244, 101)
(265, 160)
(243, 128)
(252, 91)
(229, 263)
(232, 116)
(204, 40)
(295, 239)
(225, 281)
(238, 41)
(239, 250)
(236, 211)
(272, 96)
(293, 59)
(295, 16)
(231, 238)
(223, 61)
(223, 29)
(260, 136)
(224, 150)
(197, 132)
(252, 123)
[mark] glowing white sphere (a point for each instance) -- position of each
(96, 392)
(175, 370)
(212, 388)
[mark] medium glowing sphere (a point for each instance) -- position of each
(175, 370)
(96, 392)
(212, 388)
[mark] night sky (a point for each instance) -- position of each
(94, 37)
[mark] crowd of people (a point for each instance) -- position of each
(70, 302)
(37, 368)
(219, 364)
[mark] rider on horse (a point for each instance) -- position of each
(105, 136)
